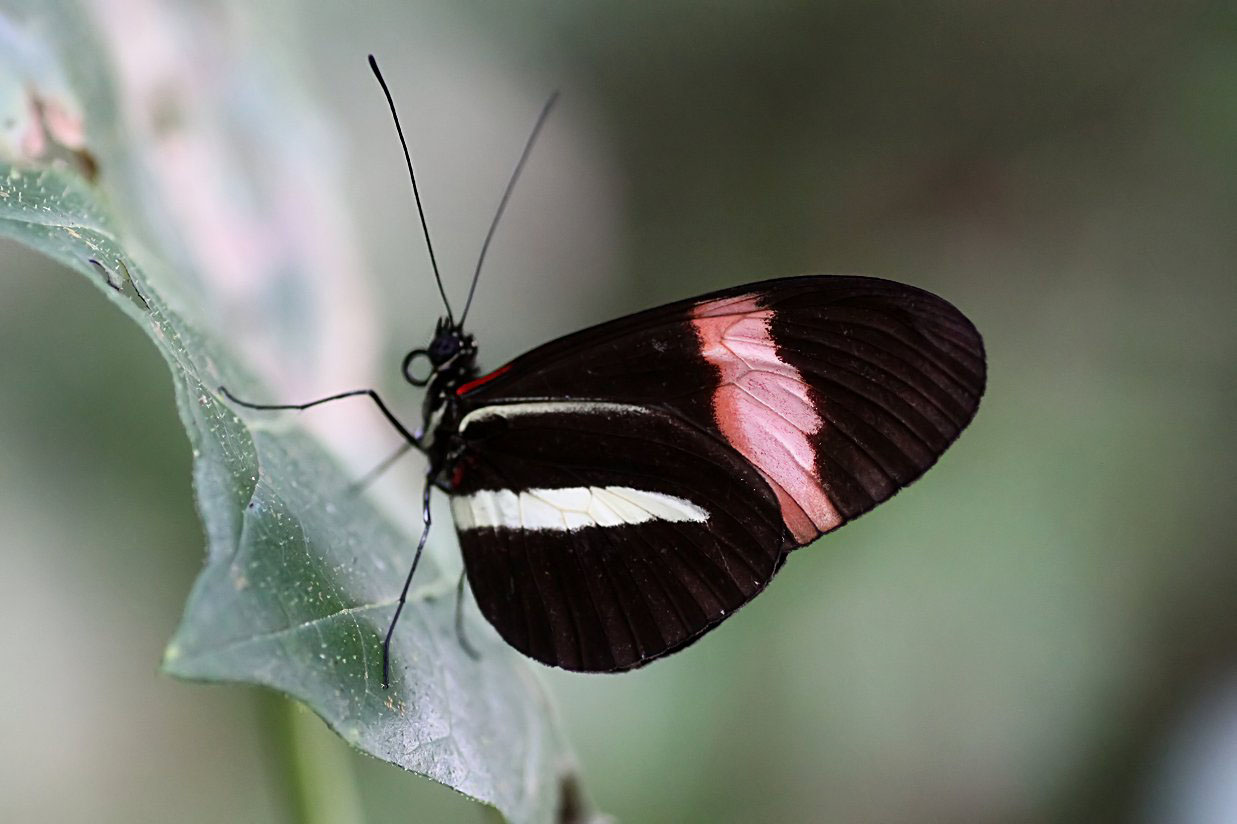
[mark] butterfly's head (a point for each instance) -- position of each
(451, 350)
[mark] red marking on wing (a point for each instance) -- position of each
(481, 381)
(763, 410)
(457, 475)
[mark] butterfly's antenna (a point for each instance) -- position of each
(373, 64)
(502, 204)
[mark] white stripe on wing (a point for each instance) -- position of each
(513, 410)
(570, 508)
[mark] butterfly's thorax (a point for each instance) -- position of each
(441, 413)
(443, 442)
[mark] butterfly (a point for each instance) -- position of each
(621, 491)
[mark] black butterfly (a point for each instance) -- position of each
(620, 491)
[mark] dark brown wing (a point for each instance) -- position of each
(738, 425)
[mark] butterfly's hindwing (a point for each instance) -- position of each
(601, 536)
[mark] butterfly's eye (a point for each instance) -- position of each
(409, 365)
(443, 348)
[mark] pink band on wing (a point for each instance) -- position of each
(763, 409)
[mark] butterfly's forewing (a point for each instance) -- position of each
(780, 410)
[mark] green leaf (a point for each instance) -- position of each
(300, 578)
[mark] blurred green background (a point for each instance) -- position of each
(1043, 629)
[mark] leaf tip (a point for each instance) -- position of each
(171, 655)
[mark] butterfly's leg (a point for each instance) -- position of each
(119, 286)
(371, 394)
(133, 283)
(403, 595)
(369, 477)
(469, 649)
